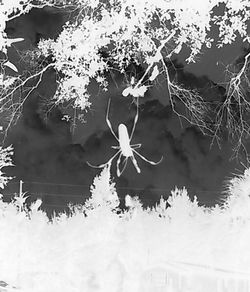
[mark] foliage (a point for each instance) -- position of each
(238, 194)
(146, 32)
(10, 106)
(5, 160)
(103, 191)
(105, 36)
(171, 246)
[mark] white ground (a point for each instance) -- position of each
(182, 248)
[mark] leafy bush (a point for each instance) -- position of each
(175, 245)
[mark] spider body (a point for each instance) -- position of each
(124, 141)
(125, 148)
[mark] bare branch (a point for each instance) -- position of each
(234, 112)
(197, 108)
(12, 99)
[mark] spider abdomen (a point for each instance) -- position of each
(124, 141)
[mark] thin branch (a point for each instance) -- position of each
(235, 109)
(16, 107)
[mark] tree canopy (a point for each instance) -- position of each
(105, 36)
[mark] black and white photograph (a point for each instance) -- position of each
(125, 146)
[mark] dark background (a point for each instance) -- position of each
(51, 154)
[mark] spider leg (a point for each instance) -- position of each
(119, 173)
(145, 159)
(135, 120)
(125, 165)
(108, 122)
(135, 163)
(104, 164)
(98, 166)
(117, 165)
(136, 146)
(115, 147)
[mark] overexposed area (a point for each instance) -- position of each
(175, 246)
(143, 106)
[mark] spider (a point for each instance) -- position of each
(125, 148)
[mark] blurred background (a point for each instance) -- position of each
(51, 150)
